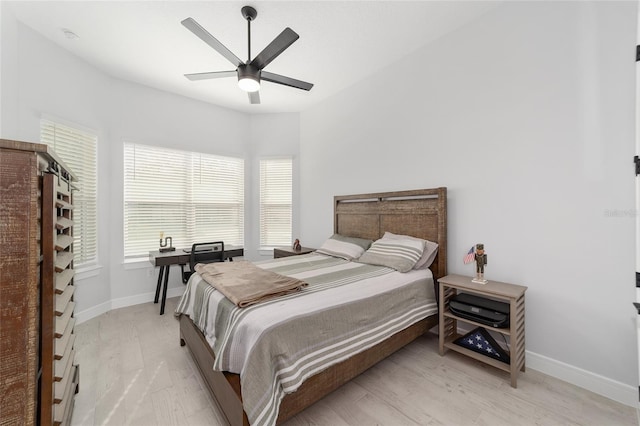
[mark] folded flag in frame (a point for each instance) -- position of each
(470, 257)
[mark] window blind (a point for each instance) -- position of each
(78, 150)
(189, 196)
(275, 202)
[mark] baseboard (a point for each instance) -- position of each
(122, 302)
(617, 391)
(92, 312)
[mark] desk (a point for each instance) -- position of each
(179, 257)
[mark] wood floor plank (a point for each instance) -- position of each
(138, 400)
(320, 413)
(110, 408)
(168, 409)
(134, 372)
(206, 416)
(130, 351)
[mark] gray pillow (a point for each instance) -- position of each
(428, 256)
(365, 244)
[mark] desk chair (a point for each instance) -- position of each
(203, 253)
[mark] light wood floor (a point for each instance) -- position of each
(134, 372)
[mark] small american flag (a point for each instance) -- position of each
(470, 257)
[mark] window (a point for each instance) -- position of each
(78, 150)
(275, 202)
(188, 196)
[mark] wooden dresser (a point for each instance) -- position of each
(38, 376)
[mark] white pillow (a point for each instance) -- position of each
(428, 255)
(343, 249)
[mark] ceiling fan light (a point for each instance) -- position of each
(249, 84)
(248, 78)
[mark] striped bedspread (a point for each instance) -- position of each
(348, 307)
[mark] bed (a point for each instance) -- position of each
(417, 213)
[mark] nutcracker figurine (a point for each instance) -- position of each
(481, 261)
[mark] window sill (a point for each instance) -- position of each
(137, 263)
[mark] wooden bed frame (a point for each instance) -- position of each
(419, 213)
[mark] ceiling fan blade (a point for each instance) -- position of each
(204, 35)
(254, 97)
(287, 81)
(209, 75)
(276, 47)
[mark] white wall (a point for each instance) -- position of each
(527, 116)
(38, 77)
(8, 72)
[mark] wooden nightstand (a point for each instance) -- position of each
(285, 252)
(513, 294)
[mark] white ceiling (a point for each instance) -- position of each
(340, 42)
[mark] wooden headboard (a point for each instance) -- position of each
(419, 213)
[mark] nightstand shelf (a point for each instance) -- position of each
(495, 363)
(449, 314)
(449, 287)
(286, 252)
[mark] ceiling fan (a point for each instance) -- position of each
(249, 73)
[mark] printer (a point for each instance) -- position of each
(480, 309)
